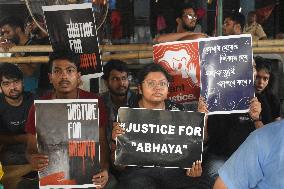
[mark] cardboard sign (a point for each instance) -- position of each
(181, 60)
(159, 138)
(73, 27)
(217, 68)
(227, 73)
(68, 132)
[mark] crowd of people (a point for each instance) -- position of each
(242, 150)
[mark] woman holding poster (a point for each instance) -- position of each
(153, 83)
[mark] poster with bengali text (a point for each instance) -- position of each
(227, 81)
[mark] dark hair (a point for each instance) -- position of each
(114, 64)
(183, 7)
(10, 71)
(64, 55)
(252, 13)
(151, 68)
(13, 21)
(237, 17)
(265, 64)
(38, 18)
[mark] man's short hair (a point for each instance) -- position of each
(64, 55)
(265, 64)
(114, 65)
(12, 21)
(252, 13)
(238, 18)
(152, 68)
(38, 18)
(183, 7)
(10, 71)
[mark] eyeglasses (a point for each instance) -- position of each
(190, 17)
(152, 83)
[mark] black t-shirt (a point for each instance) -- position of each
(227, 132)
(12, 119)
(270, 106)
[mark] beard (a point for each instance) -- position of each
(15, 96)
(119, 93)
(188, 28)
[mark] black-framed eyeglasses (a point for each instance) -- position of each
(153, 83)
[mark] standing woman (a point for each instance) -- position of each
(153, 83)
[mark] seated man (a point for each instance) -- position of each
(65, 77)
(14, 108)
(258, 163)
(118, 94)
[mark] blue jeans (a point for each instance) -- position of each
(158, 178)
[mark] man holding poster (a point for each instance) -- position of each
(65, 77)
(153, 88)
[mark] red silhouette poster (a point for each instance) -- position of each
(68, 132)
(181, 60)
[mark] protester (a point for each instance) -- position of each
(234, 24)
(153, 82)
(186, 27)
(118, 94)
(13, 33)
(258, 162)
(226, 133)
(253, 28)
(270, 104)
(14, 108)
(65, 77)
(187, 20)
